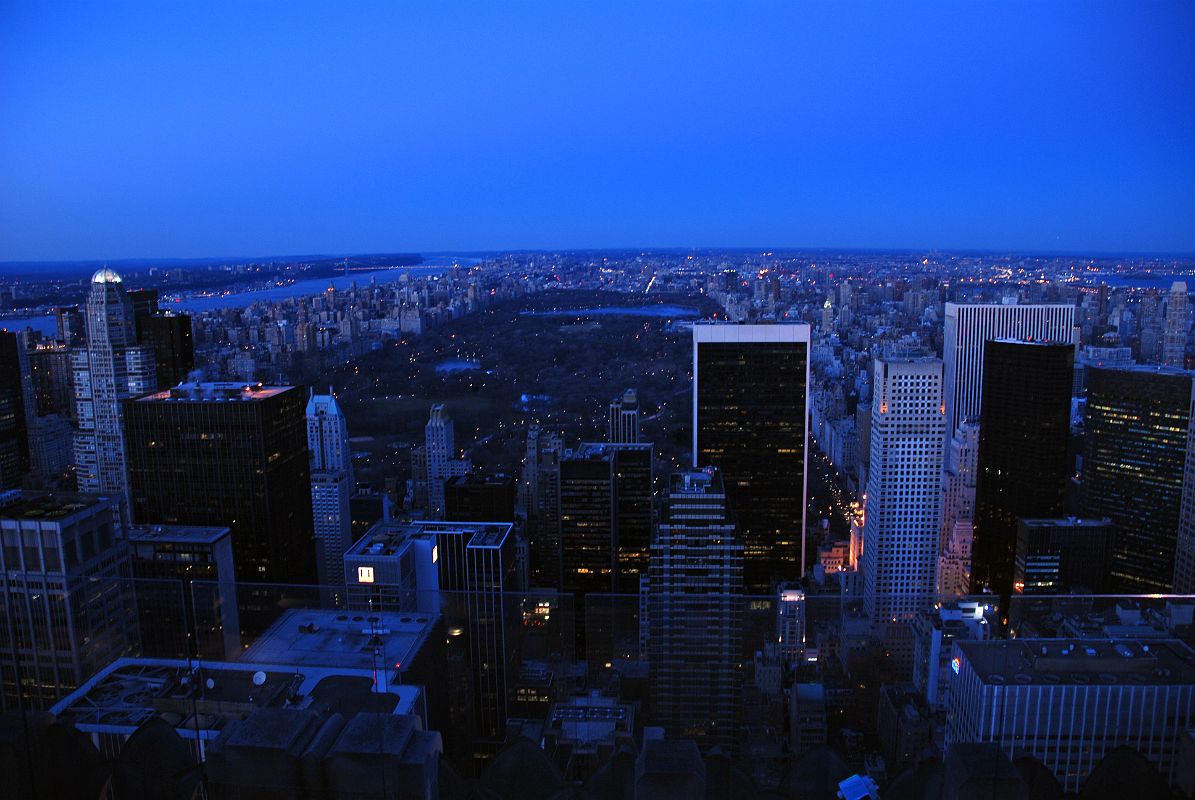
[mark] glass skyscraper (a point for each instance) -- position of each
(750, 386)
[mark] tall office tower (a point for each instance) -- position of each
(66, 596)
(186, 591)
(145, 302)
(958, 510)
(1065, 555)
(903, 513)
(624, 418)
(605, 517)
(790, 623)
(480, 498)
(1024, 460)
(539, 494)
(696, 613)
(750, 405)
(1138, 451)
(113, 366)
(442, 463)
(70, 325)
(50, 372)
(1068, 703)
(1174, 343)
(331, 486)
(968, 327)
(229, 454)
(465, 571)
(168, 334)
(14, 413)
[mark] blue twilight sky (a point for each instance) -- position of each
(248, 128)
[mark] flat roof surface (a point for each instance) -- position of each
(130, 691)
(342, 639)
(46, 505)
(191, 534)
(391, 535)
(1150, 662)
(214, 391)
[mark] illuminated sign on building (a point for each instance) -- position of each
(364, 574)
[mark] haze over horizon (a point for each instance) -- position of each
(138, 131)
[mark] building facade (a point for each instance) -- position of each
(624, 418)
(968, 327)
(235, 455)
(113, 366)
(1050, 699)
(696, 612)
(1024, 463)
(331, 486)
(67, 605)
(902, 512)
(750, 412)
(1137, 456)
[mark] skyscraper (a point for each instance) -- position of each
(1138, 450)
(750, 406)
(331, 486)
(966, 330)
(624, 418)
(228, 454)
(1062, 556)
(1174, 343)
(14, 412)
(539, 494)
(112, 367)
(440, 452)
(480, 498)
(605, 516)
(902, 512)
(179, 620)
(66, 595)
(958, 510)
(465, 571)
(168, 334)
(696, 610)
(1024, 464)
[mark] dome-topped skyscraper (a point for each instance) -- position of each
(106, 275)
(112, 367)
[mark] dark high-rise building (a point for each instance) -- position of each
(145, 302)
(539, 493)
(66, 595)
(169, 334)
(178, 619)
(1062, 556)
(605, 517)
(1023, 464)
(69, 320)
(1138, 455)
(14, 432)
(750, 385)
(696, 609)
(624, 418)
(480, 498)
(605, 532)
(228, 454)
(50, 371)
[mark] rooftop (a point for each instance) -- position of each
(343, 640)
(197, 391)
(191, 534)
(206, 697)
(387, 538)
(1081, 661)
(17, 504)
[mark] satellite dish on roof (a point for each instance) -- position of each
(259, 678)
